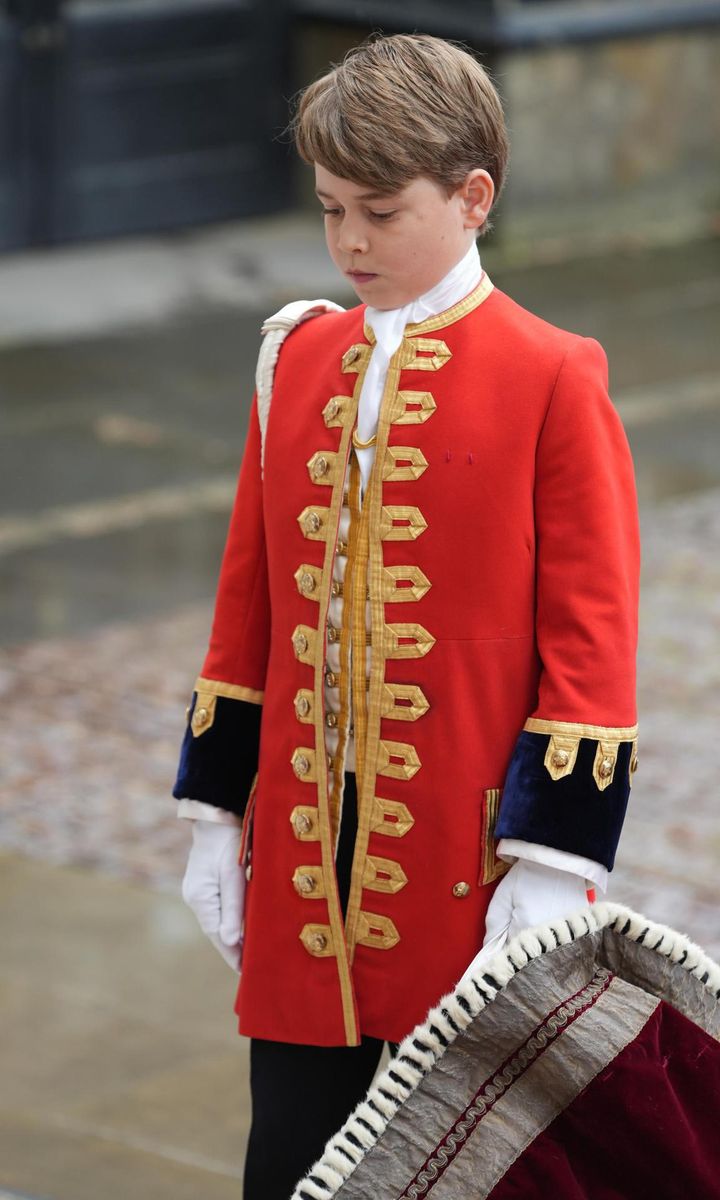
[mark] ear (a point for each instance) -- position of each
(477, 192)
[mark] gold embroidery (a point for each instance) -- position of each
(393, 577)
(403, 462)
(561, 755)
(304, 821)
(390, 752)
(323, 467)
(303, 704)
(413, 408)
(403, 701)
(304, 639)
(613, 733)
(390, 817)
(308, 579)
(406, 640)
(232, 691)
(376, 931)
(401, 522)
(491, 867)
(203, 714)
(318, 941)
(313, 522)
(424, 354)
(383, 875)
(309, 883)
(335, 410)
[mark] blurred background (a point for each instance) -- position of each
(151, 214)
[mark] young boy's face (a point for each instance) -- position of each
(393, 248)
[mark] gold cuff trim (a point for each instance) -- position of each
(383, 875)
(304, 821)
(376, 931)
(403, 701)
(405, 769)
(303, 643)
(317, 940)
(491, 867)
(324, 467)
(390, 818)
(304, 764)
(309, 580)
(231, 691)
(309, 883)
(619, 733)
(335, 411)
(413, 408)
(203, 713)
(403, 462)
(401, 522)
(313, 522)
(407, 640)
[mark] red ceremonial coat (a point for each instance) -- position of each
(497, 546)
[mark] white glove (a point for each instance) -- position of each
(532, 894)
(214, 886)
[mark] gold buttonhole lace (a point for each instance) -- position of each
(360, 444)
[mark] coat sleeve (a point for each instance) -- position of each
(219, 755)
(569, 777)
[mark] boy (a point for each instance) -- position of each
(429, 595)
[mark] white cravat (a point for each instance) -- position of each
(388, 325)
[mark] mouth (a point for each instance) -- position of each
(361, 276)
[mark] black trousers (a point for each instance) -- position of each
(301, 1095)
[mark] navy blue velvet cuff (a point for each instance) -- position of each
(218, 767)
(571, 813)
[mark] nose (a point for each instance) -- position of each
(351, 238)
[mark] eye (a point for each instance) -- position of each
(383, 216)
(330, 212)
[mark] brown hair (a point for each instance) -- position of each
(400, 107)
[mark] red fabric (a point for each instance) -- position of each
(647, 1126)
(522, 418)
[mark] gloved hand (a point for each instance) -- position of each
(532, 894)
(214, 886)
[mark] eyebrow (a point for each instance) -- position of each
(364, 196)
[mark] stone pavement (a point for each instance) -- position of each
(119, 453)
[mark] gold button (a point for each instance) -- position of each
(200, 717)
(330, 761)
(331, 719)
(248, 872)
(302, 823)
(317, 942)
(461, 890)
(333, 634)
(307, 582)
(300, 643)
(301, 765)
(606, 767)
(333, 407)
(560, 758)
(331, 678)
(336, 587)
(351, 355)
(302, 706)
(322, 466)
(313, 521)
(305, 884)
(634, 764)
(342, 547)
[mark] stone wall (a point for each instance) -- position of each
(612, 142)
